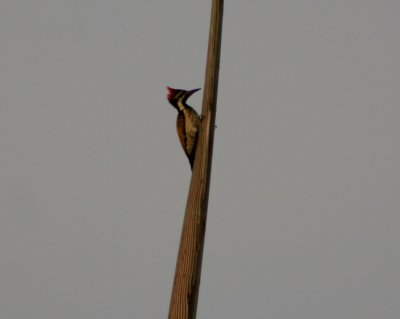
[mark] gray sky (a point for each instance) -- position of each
(304, 212)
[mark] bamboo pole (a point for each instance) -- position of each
(188, 267)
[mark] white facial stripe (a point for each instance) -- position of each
(181, 107)
(178, 95)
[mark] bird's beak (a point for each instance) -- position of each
(189, 93)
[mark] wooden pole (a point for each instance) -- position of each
(188, 267)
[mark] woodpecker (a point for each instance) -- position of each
(187, 122)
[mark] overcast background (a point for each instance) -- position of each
(304, 213)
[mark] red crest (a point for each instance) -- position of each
(171, 93)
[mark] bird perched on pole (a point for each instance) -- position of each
(187, 122)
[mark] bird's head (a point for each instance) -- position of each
(179, 97)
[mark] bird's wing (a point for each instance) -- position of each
(181, 128)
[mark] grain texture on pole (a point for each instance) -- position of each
(188, 267)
